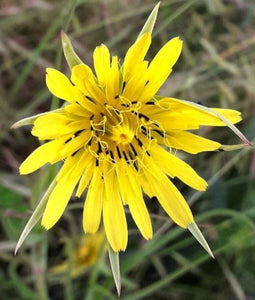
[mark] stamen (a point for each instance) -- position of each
(123, 86)
(90, 141)
(68, 140)
(155, 124)
(143, 116)
(97, 162)
(75, 152)
(89, 98)
(125, 105)
(118, 151)
(99, 148)
(139, 141)
(126, 158)
(133, 149)
(135, 165)
(77, 133)
(161, 133)
(112, 156)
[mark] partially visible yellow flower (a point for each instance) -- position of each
(118, 140)
(84, 254)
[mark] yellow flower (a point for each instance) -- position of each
(118, 140)
(84, 255)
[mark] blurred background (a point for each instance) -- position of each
(217, 68)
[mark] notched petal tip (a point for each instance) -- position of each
(46, 225)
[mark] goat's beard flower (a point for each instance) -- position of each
(85, 252)
(118, 141)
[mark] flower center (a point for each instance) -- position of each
(122, 134)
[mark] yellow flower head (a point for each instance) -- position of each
(84, 255)
(118, 140)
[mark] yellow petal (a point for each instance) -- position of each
(75, 143)
(115, 222)
(172, 201)
(135, 86)
(138, 208)
(42, 155)
(93, 204)
(189, 117)
(112, 83)
(161, 67)
(77, 110)
(60, 86)
(175, 167)
(135, 56)
(54, 125)
(83, 78)
(190, 142)
(86, 176)
(101, 58)
(233, 116)
(62, 192)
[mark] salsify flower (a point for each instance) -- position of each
(118, 139)
(85, 253)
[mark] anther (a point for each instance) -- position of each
(118, 151)
(161, 133)
(68, 140)
(97, 162)
(77, 133)
(112, 156)
(139, 141)
(143, 116)
(126, 158)
(123, 86)
(90, 141)
(90, 99)
(133, 149)
(75, 152)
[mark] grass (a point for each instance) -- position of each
(216, 68)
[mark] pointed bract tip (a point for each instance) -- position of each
(14, 126)
(195, 231)
(150, 22)
(16, 250)
(115, 267)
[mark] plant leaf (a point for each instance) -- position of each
(71, 57)
(37, 214)
(115, 266)
(149, 24)
(195, 231)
